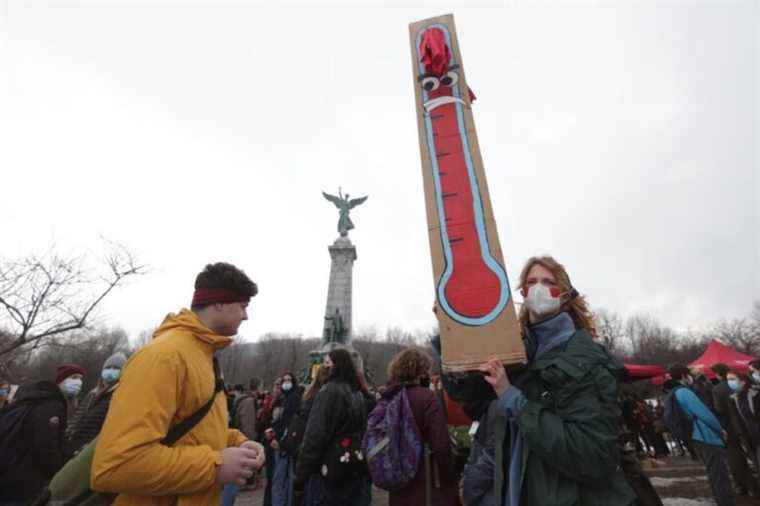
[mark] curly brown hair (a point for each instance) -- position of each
(409, 365)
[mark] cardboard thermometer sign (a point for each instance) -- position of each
(475, 309)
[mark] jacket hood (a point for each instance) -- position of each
(187, 321)
(117, 360)
(39, 390)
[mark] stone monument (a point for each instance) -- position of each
(337, 327)
(338, 322)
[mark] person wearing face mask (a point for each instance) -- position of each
(45, 414)
(70, 379)
(707, 434)
(754, 370)
(88, 419)
(741, 474)
(555, 426)
(290, 402)
(746, 405)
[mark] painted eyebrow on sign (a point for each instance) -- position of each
(428, 74)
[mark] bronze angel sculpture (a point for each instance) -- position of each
(344, 204)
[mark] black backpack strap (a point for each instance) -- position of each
(178, 431)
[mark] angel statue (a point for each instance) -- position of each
(345, 205)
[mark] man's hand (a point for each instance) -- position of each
(260, 454)
(274, 444)
(495, 375)
(237, 466)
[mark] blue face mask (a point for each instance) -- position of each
(735, 385)
(3, 392)
(110, 376)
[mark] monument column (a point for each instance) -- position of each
(339, 291)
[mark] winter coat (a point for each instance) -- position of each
(722, 407)
(338, 410)
(746, 407)
(431, 422)
(88, 420)
(568, 421)
(290, 403)
(245, 416)
(42, 430)
(479, 472)
(162, 384)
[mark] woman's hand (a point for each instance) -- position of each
(495, 375)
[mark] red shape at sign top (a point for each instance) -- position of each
(435, 53)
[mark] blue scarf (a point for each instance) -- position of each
(540, 339)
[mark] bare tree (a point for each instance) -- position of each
(755, 317)
(651, 341)
(397, 335)
(89, 349)
(49, 295)
(739, 333)
(610, 330)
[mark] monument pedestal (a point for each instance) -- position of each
(340, 287)
(339, 297)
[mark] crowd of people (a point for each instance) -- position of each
(162, 427)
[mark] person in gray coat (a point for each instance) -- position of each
(737, 463)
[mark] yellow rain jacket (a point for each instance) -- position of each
(162, 384)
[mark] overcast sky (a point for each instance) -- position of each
(619, 137)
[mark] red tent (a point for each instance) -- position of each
(716, 353)
(719, 353)
(637, 372)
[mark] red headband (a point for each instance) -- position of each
(203, 296)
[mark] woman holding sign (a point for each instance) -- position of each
(554, 427)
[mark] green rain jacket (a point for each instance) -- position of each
(569, 427)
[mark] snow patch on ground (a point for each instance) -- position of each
(667, 482)
(682, 501)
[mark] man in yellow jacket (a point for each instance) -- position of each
(164, 383)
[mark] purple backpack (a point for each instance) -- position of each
(392, 445)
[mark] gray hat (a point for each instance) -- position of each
(118, 359)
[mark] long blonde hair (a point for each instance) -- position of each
(576, 306)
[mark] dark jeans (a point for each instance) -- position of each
(715, 460)
(315, 489)
(737, 464)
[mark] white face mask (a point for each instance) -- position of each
(540, 302)
(71, 386)
(287, 385)
(756, 376)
